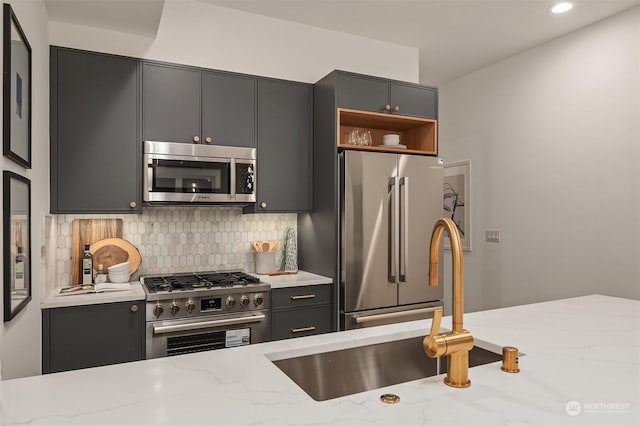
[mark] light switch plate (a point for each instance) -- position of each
(492, 235)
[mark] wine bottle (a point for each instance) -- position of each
(18, 281)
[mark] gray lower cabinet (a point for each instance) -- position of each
(285, 135)
(300, 311)
(92, 335)
(367, 93)
(191, 105)
(95, 134)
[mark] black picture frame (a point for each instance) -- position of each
(16, 82)
(16, 202)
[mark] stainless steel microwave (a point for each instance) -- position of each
(186, 173)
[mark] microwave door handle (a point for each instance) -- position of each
(149, 175)
(232, 173)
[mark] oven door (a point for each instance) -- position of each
(205, 333)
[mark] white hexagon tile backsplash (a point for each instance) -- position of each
(179, 239)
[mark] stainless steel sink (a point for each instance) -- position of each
(329, 375)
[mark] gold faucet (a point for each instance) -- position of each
(457, 343)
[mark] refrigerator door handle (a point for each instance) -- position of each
(403, 220)
(392, 249)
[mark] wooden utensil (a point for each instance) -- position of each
(257, 245)
(88, 231)
(265, 246)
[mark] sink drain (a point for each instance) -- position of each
(389, 398)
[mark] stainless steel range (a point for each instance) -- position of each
(194, 312)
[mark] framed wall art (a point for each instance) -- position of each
(16, 243)
(456, 201)
(16, 119)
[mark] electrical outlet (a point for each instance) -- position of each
(492, 235)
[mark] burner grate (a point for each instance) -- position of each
(198, 280)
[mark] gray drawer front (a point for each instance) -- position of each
(300, 296)
(300, 322)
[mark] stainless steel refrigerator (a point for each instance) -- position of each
(389, 204)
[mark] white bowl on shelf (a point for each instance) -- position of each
(390, 139)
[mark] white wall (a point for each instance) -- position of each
(553, 136)
(20, 339)
(210, 36)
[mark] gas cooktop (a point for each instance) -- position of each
(197, 281)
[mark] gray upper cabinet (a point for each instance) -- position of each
(228, 109)
(171, 99)
(95, 133)
(191, 105)
(413, 99)
(363, 93)
(284, 172)
(366, 93)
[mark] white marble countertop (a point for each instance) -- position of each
(53, 301)
(300, 279)
(583, 349)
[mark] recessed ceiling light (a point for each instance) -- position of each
(561, 7)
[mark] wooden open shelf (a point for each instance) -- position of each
(420, 135)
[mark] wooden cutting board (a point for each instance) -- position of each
(88, 231)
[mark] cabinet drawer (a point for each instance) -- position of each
(300, 322)
(300, 296)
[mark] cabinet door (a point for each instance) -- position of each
(228, 109)
(288, 323)
(95, 133)
(414, 100)
(92, 335)
(171, 103)
(284, 173)
(363, 93)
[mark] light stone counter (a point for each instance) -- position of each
(584, 349)
(53, 301)
(300, 279)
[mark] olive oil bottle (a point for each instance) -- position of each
(87, 266)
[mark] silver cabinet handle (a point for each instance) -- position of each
(303, 296)
(302, 329)
(198, 325)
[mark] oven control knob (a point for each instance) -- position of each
(190, 306)
(174, 308)
(258, 299)
(158, 310)
(231, 302)
(244, 301)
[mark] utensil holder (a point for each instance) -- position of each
(265, 262)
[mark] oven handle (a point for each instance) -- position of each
(162, 329)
